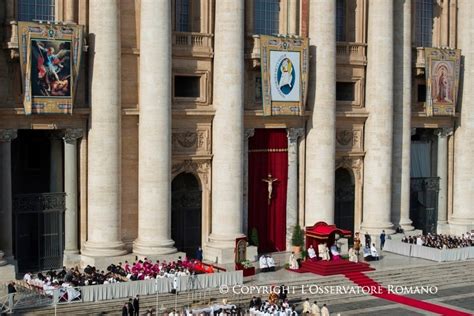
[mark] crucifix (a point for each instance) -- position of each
(270, 181)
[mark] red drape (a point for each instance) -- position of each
(268, 154)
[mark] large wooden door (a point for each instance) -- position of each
(186, 214)
(344, 200)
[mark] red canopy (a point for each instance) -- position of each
(321, 230)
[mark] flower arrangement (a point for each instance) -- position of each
(246, 264)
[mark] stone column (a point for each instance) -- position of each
(104, 166)
(379, 124)
(321, 127)
(70, 188)
(249, 132)
(6, 216)
(293, 16)
(154, 150)
(56, 163)
(442, 173)
(292, 185)
(402, 115)
(227, 130)
(463, 216)
(69, 10)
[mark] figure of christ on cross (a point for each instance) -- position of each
(269, 180)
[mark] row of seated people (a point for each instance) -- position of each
(138, 270)
(441, 241)
(266, 263)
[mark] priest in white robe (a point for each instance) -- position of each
(312, 253)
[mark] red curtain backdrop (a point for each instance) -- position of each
(268, 153)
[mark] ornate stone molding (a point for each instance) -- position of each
(185, 139)
(444, 132)
(249, 132)
(354, 164)
(294, 133)
(349, 139)
(190, 141)
(7, 135)
(72, 134)
(199, 167)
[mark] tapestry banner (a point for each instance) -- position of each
(442, 69)
(285, 67)
(50, 58)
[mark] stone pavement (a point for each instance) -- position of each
(454, 283)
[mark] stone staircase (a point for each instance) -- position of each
(443, 276)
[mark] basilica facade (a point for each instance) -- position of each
(167, 147)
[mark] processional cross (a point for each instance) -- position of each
(269, 180)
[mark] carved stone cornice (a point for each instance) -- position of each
(72, 134)
(185, 139)
(444, 132)
(354, 164)
(294, 133)
(199, 167)
(7, 135)
(249, 132)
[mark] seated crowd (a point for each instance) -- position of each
(441, 241)
(138, 270)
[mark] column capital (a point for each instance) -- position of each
(444, 132)
(294, 133)
(72, 134)
(8, 134)
(249, 132)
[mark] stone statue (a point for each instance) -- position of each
(270, 181)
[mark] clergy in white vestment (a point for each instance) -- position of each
(263, 263)
(312, 253)
(315, 311)
(293, 262)
(352, 255)
(271, 263)
(306, 306)
(323, 252)
(324, 311)
(373, 252)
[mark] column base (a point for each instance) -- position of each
(7, 273)
(148, 248)
(109, 249)
(459, 226)
(406, 225)
(221, 248)
(3, 262)
(442, 227)
(71, 258)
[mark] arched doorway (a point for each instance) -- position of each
(344, 200)
(186, 206)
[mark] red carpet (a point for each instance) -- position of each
(364, 281)
(332, 267)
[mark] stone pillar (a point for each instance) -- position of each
(249, 132)
(70, 188)
(6, 216)
(69, 11)
(321, 127)
(379, 124)
(442, 173)
(402, 115)
(227, 130)
(104, 166)
(293, 16)
(463, 216)
(154, 150)
(292, 185)
(56, 163)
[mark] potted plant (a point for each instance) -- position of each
(297, 240)
(247, 267)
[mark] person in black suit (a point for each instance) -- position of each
(136, 305)
(130, 307)
(125, 309)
